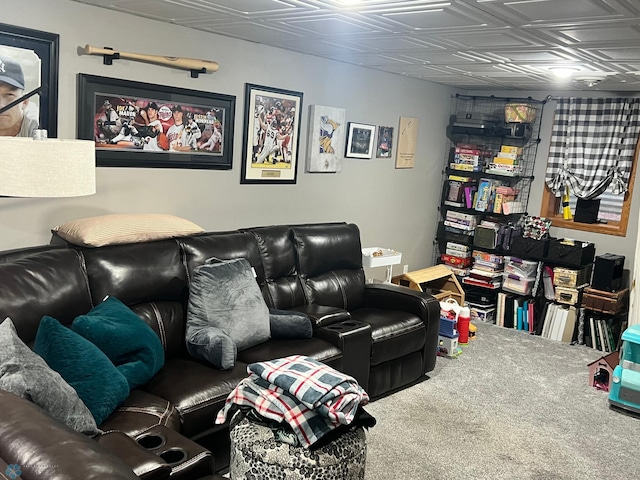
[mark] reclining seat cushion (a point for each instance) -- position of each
(329, 258)
(197, 390)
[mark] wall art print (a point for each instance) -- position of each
(360, 139)
(29, 66)
(385, 142)
(136, 124)
(271, 135)
(325, 141)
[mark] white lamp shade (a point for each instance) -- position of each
(47, 168)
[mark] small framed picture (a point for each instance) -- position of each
(360, 139)
(385, 141)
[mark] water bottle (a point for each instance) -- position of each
(464, 318)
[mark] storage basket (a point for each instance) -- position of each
(519, 113)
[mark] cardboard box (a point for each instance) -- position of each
(568, 296)
(568, 277)
(439, 281)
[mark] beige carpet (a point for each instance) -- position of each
(512, 406)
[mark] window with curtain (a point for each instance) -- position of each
(591, 155)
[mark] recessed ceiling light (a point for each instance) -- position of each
(563, 73)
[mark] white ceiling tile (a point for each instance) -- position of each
(505, 43)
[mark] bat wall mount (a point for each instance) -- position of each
(195, 65)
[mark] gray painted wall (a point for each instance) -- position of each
(393, 208)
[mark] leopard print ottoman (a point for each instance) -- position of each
(255, 454)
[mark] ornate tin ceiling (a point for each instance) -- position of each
(469, 44)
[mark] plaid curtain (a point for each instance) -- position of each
(592, 145)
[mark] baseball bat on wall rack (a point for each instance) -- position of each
(195, 65)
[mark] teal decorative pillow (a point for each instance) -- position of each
(97, 381)
(131, 344)
(214, 346)
(226, 295)
(25, 374)
(289, 324)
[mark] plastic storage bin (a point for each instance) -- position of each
(520, 267)
(517, 284)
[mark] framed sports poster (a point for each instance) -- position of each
(271, 135)
(29, 68)
(136, 124)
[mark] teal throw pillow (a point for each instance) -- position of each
(27, 375)
(97, 381)
(131, 344)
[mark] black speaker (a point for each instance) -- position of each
(587, 211)
(607, 272)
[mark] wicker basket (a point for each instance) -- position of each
(519, 113)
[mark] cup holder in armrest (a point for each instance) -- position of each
(173, 456)
(346, 325)
(151, 441)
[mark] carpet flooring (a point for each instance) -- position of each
(512, 406)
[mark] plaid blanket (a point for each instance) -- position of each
(311, 397)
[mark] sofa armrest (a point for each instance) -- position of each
(386, 296)
(323, 315)
(145, 464)
(423, 305)
(44, 448)
(354, 339)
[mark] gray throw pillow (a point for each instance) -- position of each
(25, 374)
(225, 295)
(289, 324)
(214, 346)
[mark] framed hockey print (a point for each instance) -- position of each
(29, 63)
(360, 140)
(136, 124)
(271, 135)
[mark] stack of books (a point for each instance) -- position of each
(559, 322)
(469, 157)
(507, 162)
(517, 312)
(486, 271)
(465, 222)
(458, 265)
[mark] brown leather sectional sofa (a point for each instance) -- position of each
(383, 335)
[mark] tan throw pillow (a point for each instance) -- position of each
(124, 228)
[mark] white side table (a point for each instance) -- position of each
(381, 257)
